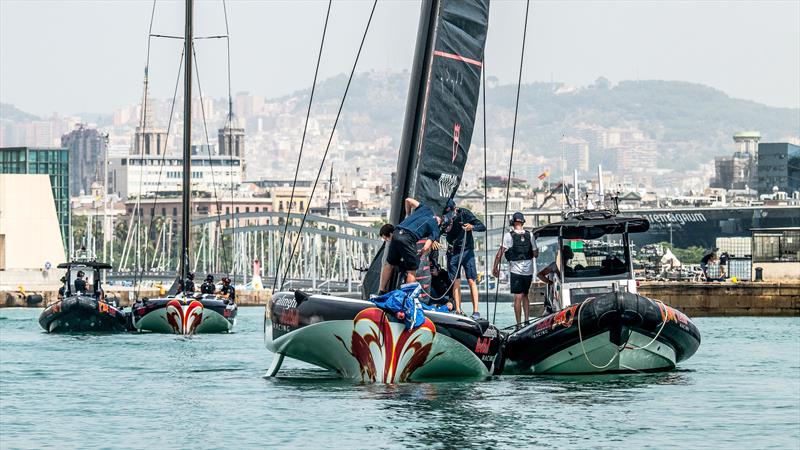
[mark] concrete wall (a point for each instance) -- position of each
(28, 223)
(778, 271)
(728, 299)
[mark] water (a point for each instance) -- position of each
(742, 389)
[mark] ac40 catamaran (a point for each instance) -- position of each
(185, 313)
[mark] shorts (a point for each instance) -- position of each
(467, 265)
(403, 251)
(520, 284)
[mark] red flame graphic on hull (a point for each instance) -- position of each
(384, 353)
(184, 319)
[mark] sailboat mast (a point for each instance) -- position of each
(187, 145)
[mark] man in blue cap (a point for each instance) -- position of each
(519, 249)
(421, 224)
(461, 252)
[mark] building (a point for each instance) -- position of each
(576, 154)
(31, 244)
(778, 167)
(87, 148)
(739, 171)
(48, 161)
(133, 176)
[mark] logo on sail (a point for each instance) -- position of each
(456, 135)
(447, 184)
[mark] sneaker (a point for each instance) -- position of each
(476, 315)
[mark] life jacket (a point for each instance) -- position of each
(522, 248)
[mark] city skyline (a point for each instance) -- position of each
(752, 51)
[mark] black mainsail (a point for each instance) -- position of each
(440, 112)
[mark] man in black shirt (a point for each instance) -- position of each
(227, 291)
(80, 283)
(708, 258)
(208, 285)
(190, 284)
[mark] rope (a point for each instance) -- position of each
(208, 149)
(330, 140)
(663, 309)
(513, 135)
(452, 282)
(583, 348)
(300, 154)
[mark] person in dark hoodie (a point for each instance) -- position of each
(461, 252)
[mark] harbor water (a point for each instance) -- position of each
(741, 390)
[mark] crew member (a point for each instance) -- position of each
(80, 283)
(190, 283)
(386, 232)
(62, 289)
(519, 249)
(461, 252)
(421, 224)
(208, 286)
(227, 291)
(550, 274)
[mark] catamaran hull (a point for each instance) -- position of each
(616, 332)
(184, 316)
(81, 314)
(361, 342)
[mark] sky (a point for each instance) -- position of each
(88, 56)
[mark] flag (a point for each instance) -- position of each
(544, 175)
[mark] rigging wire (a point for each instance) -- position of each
(300, 154)
(513, 138)
(230, 137)
(161, 165)
(485, 193)
(208, 148)
(330, 140)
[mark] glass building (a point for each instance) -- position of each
(778, 166)
(51, 161)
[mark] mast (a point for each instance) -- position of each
(414, 106)
(187, 146)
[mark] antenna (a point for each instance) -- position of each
(600, 185)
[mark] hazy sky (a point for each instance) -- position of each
(88, 56)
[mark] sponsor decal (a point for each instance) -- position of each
(670, 314)
(289, 316)
(385, 350)
(447, 184)
(482, 346)
(456, 135)
(679, 218)
(565, 317)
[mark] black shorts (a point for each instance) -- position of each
(520, 284)
(403, 251)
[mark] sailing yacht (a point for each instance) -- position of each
(352, 336)
(185, 313)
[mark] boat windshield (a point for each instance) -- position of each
(602, 258)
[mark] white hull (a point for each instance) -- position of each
(395, 356)
(603, 356)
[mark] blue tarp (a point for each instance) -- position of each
(406, 299)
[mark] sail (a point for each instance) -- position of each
(438, 143)
(440, 111)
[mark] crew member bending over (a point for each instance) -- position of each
(420, 224)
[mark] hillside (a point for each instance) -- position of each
(681, 116)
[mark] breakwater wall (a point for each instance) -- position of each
(728, 299)
(694, 299)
